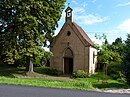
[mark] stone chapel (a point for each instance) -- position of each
(72, 48)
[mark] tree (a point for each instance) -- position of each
(104, 55)
(25, 26)
(117, 54)
(118, 46)
(103, 50)
(126, 60)
(111, 56)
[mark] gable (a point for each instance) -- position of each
(83, 34)
(77, 30)
(59, 34)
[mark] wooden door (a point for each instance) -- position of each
(68, 65)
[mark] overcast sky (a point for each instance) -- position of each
(111, 17)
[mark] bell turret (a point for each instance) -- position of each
(69, 14)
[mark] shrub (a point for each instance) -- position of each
(80, 74)
(115, 71)
(52, 72)
(126, 68)
(128, 78)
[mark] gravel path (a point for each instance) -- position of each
(114, 90)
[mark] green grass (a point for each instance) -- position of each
(93, 82)
(97, 81)
(47, 83)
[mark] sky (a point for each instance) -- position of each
(109, 17)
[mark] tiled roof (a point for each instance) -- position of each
(84, 35)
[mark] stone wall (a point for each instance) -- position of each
(80, 52)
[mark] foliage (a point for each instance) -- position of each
(52, 72)
(47, 71)
(111, 56)
(104, 53)
(25, 26)
(21, 62)
(116, 55)
(37, 62)
(46, 58)
(116, 72)
(126, 62)
(119, 46)
(48, 55)
(80, 74)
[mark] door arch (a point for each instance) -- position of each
(68, 61)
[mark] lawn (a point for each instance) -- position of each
(45, 80)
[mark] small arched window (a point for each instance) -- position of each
(68, 33)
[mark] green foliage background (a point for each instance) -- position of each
(25, 26)
(116, 57)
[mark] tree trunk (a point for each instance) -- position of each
(29, 64)
(105, 73)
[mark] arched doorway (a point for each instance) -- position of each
(68, 61)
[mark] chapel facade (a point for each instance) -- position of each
(72, 48)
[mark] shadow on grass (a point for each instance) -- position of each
(110, 85)
(11, 72)
(48, 71)
(99, 76)
(17, 72)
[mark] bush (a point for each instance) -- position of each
(52, 72)
(115, 71)
(80, 74)
(128, 78)
(126, 68)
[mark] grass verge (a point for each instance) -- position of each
(74, 84)
(93, 82)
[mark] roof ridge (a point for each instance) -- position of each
(83, 33)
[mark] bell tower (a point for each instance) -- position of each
(69, 14)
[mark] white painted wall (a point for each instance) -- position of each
(92, 60)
